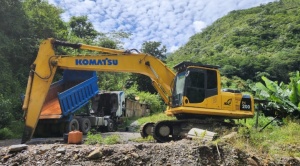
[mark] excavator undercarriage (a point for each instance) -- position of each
(172, 130)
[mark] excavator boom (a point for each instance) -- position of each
(44, 68)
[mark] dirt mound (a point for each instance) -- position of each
(184, 152)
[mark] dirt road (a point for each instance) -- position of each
(124, 136)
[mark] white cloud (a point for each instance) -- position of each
(171, 22)
(173, 48)
(199, 25)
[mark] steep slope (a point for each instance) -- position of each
(264, 40)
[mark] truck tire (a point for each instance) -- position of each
(84, 125)
(73, 125)
(111, 125)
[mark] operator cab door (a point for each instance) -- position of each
(200, 87)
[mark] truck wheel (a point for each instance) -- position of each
(111, 125)
(72, 125)
(84, 125)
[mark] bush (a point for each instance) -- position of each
(6, 133)
(153, 100)
(5, 116)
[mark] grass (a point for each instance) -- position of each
(143, 140)
(154, 118)
(93, 139)
(274, 140)
(112, 139)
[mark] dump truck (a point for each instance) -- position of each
(76, 103)
(193, 94)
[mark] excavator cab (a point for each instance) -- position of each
(194, 83)
(197, 93)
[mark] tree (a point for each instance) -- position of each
(44, 19)
(155, 49)
(81, 28)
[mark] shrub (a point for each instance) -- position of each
(6, 133)
(5, 116)
(153, 100)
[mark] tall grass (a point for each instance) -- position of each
(274, 140)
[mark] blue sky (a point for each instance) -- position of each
(171, 22)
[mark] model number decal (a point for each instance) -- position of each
(246, 106)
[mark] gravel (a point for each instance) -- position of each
(52, 151)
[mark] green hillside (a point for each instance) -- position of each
(264, 40)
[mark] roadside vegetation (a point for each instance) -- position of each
(155, 118)
(277, 139)
(96, 138)
(277, 130)
(93, 139)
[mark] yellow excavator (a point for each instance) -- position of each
(193, 95)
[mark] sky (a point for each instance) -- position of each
(171, 22)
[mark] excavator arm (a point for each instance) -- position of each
(111, 60)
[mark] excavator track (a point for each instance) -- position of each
(172, 130)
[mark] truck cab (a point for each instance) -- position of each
(107, 107)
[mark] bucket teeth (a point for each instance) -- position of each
(28, 131)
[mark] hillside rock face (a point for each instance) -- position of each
(184, 152)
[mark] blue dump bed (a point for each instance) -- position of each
(79, 95)
(69, 94)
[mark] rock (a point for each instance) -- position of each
(126, 158)
(229, 136)
(17, 148)
(196, 133)
(44, 149)
(133, 126)
(76, 150)
(61, 150)
(75, 157)
(6, 157)
(293, 161)
(135, 155)
(58, 162)
(251, 162)
(96, 154)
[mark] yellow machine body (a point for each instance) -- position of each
(213, 102)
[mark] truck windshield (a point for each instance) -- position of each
(178, 89)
